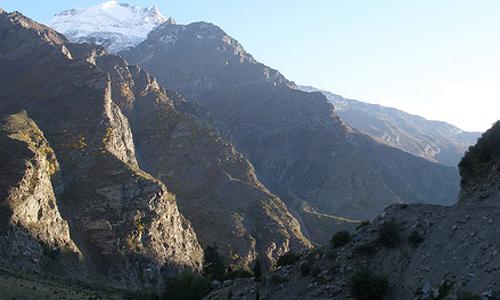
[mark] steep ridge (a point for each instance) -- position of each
(434, 140)
(34, 235)
(215, 186)
(429, 252)
(124, 222)
(300, 148)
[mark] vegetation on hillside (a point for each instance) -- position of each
(480, 156)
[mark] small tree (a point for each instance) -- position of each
(257, 269)
(340, 239)
(368, 286)
(363, 224)
(305, 268)
(213, 263)
(415, 239)
(388, 234)
(469, 296)
(187, 285)
(288, 258)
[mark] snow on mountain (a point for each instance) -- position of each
(114, 25)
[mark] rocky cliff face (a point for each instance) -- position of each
(214, 184)
(298, 145)
(33, 235)
(433, 140)
(423, 251)
(123, 221)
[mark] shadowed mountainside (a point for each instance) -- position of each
(434, 140)
(410, 251)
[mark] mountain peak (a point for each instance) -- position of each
(171, 21)
(109, 4)
(112, 24)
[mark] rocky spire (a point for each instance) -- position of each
(171, 21)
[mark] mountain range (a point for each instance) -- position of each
(409, 252)
(131, 143)
(81, 147)
(300, 148)
(433, 140)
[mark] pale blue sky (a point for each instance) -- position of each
(436, 58)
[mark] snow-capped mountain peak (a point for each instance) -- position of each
(111, 24)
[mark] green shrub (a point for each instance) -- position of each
(468, 296)
(315, 271)
(288, 258)
(257, 269)
(388, 234)
(238, 273)
(363, 224)
(278, 279)
(340, 239)
(305, 268)
(147, 296)
(187, 285)
(368, 286)
(213, 263)
(444, 290)
(477, 159)
(311, 254)
(366, 249)
(415, 239)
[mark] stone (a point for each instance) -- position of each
(216, 284)
(227, 283)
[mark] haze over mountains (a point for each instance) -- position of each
(434, 140)
(119, 168)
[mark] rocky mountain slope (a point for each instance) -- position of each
(124, 222)
(86, 139)
(31, 221)
(111, 24)
(300, 148)
(410, 251)
(215, 186)
(433, 140)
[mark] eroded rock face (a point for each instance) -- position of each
(124, 221)
(33, 234)
(215, 185)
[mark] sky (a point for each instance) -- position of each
(435, 58)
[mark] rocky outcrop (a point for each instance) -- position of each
(124, 221)
(433, 140)
(299, 147)
(33, 234)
